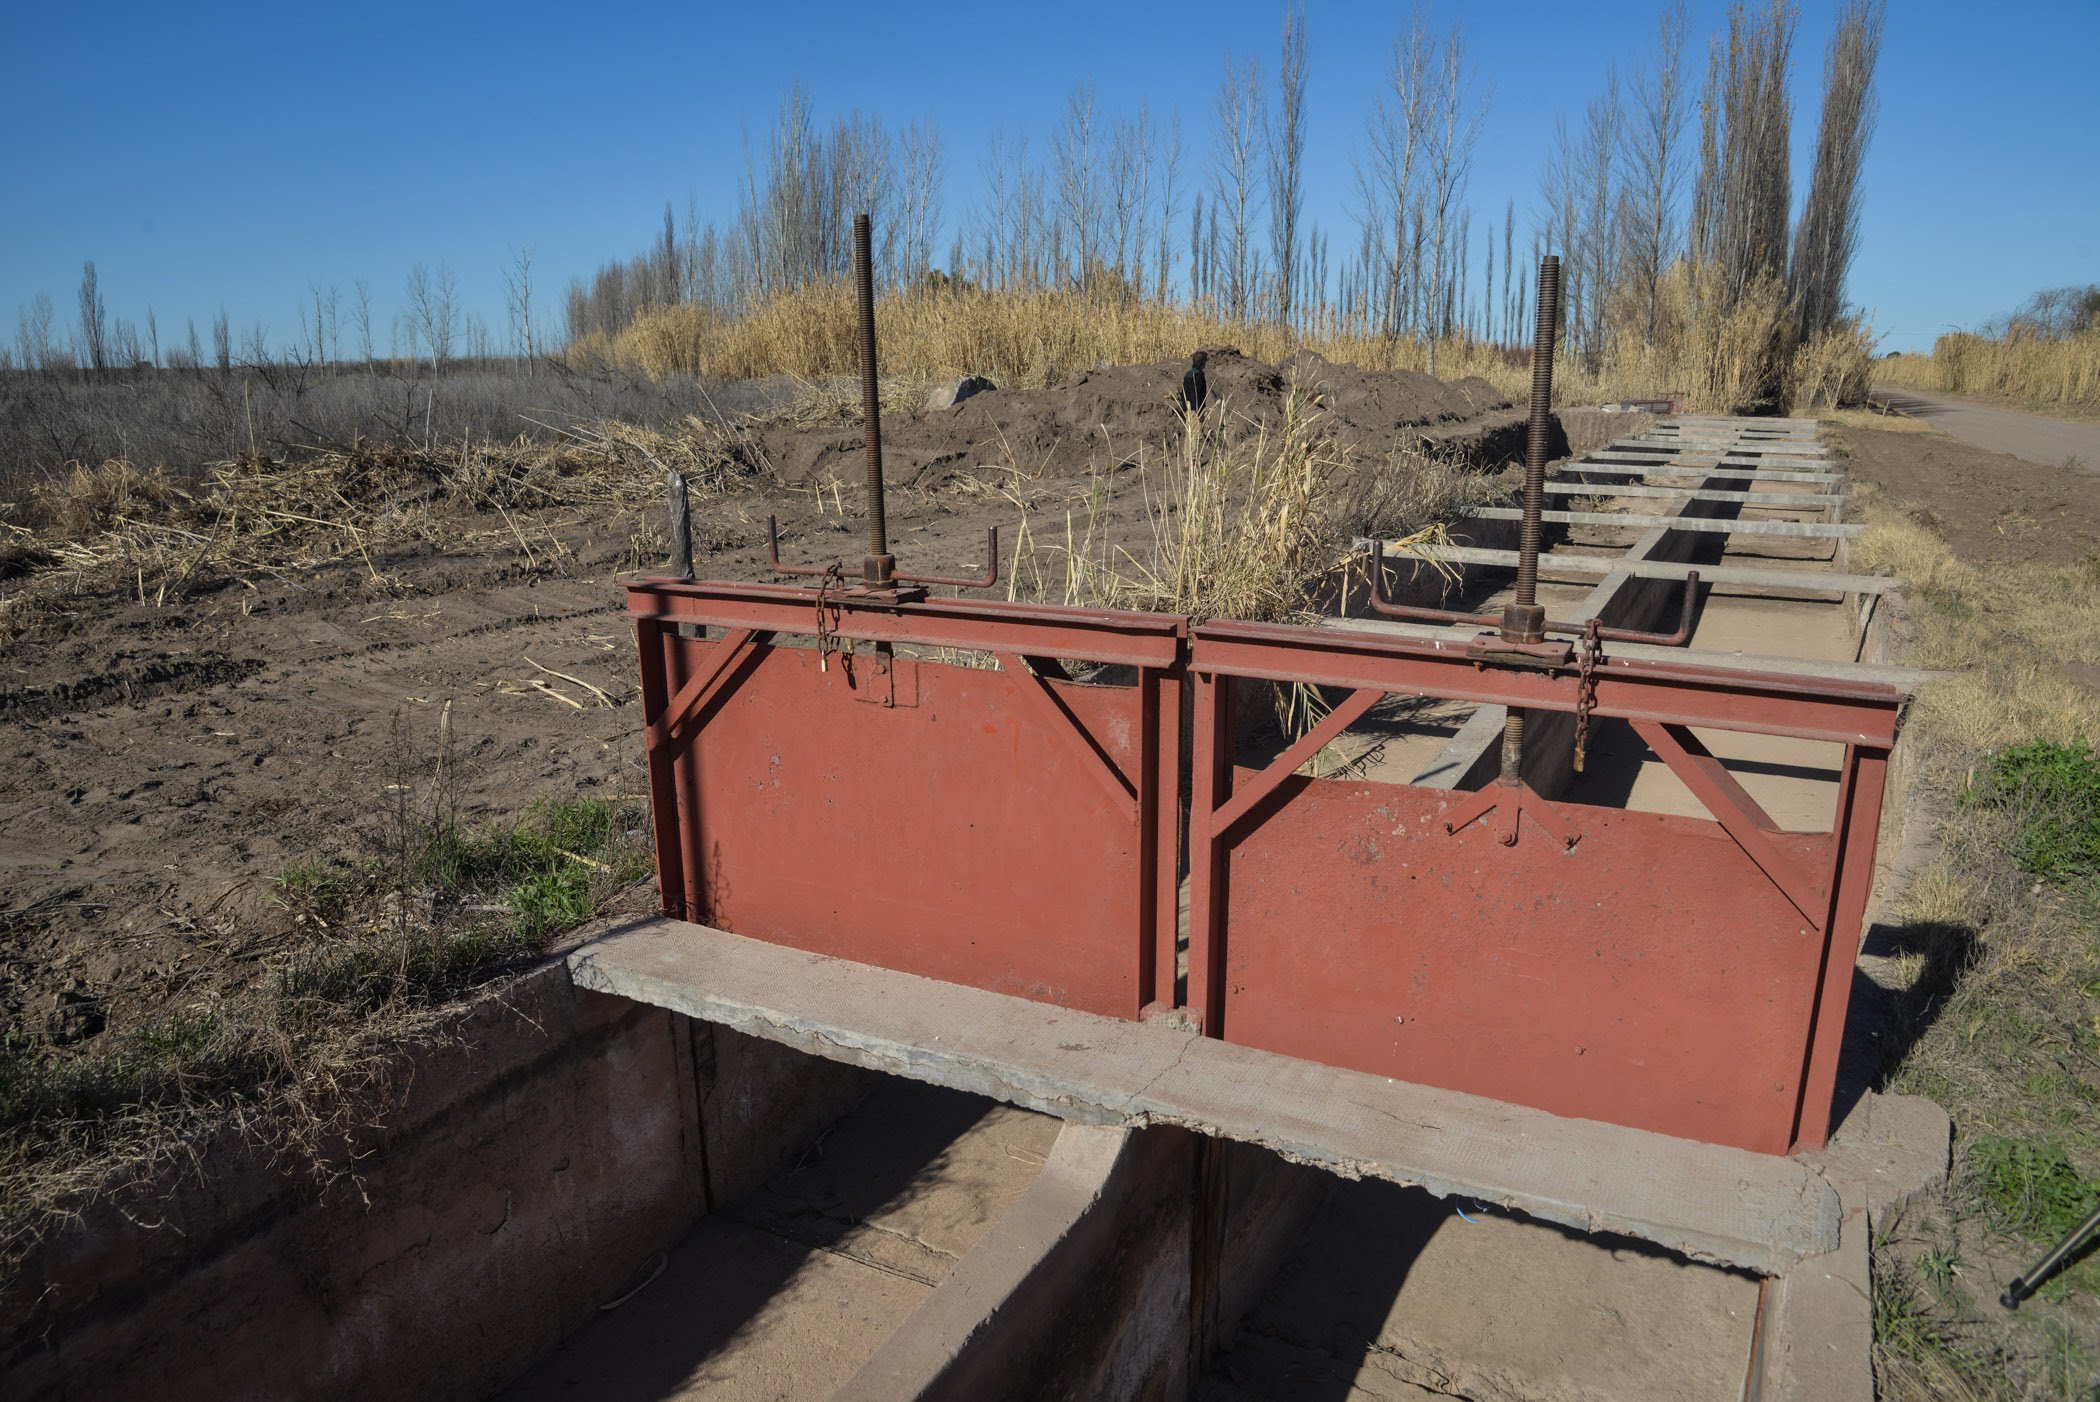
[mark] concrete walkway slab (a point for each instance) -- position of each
(1705, 1201)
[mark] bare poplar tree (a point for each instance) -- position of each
(433, 309)
(1078, 186)
(1233, 178)
(1458, 112)
(94, 320)
(196, 349)
(1286, 151)
(920, 203)
(1387, 172)
(1146, 141)
(1512, 315)
(1654, 156)
(222, 341)
(1169, 202)
(1828, 235)
(33, 333)
(1197, 291)
(361, 315)
(1124, 196)
(153, 337)
(1745, 185)
(1593, 241)
(517, 302)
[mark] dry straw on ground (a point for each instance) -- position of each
(152, 533)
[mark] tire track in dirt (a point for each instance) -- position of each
(164, 678)
(160, 677)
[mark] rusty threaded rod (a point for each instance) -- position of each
(1524, 620)
(880, 565)
(1540, 437)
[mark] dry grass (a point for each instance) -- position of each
(1877, 417)
(1726, 362)
(2005, 634)
(2041, 372)
(2001, 1023)
(1236, 523)
(153, 535)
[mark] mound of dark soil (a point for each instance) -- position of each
(1105, 417)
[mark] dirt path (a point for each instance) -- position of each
(2050, 442)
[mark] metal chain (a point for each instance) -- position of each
(1586, 687)
(834, 575)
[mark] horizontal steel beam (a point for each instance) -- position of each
(1744, 496)
(1674, 692)
(971, 625)
(1665, 569)
(1664, 467)
(1820, 530)
(1904, 679)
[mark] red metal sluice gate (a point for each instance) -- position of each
(1004, 829)
(1688, 976)
(923, 784)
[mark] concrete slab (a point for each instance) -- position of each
(1711, 1203)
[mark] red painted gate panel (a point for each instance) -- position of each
(1683, 975)
(999, 828)
(1604, 983)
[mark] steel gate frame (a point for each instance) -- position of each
(1826, 884)
(690, 683)
(704, 645)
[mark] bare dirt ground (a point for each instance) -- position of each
(1991, 506)
(169, 756)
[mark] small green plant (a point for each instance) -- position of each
(314, 888)
(2031, 1186)
(1903, 1324)
(552, 900)
(2053, 790)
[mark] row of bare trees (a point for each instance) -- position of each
(1612, 192)
(433, 326)
(1115, 203)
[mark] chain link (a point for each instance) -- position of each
(834, 575)
(1586, 687)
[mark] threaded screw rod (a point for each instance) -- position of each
(1525, 621)
(1540, 436)
(880, 566)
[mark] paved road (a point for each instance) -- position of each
(2050, 442)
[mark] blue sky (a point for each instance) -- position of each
(232, 154)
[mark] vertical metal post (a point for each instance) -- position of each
(681, 527)
(880, 566)
(1524, 621)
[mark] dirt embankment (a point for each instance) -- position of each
(1104, 417)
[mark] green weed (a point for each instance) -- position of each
(2031, 1186)
(2054, 789)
